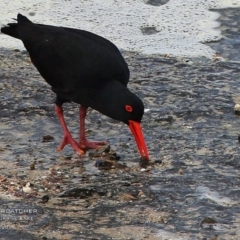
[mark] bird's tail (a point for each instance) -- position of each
(12, 28)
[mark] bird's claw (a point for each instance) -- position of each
(85, 144)
(67, 139)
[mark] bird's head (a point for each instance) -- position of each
(121, 104)
(134, 111)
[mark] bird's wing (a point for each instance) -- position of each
(91, 53)
(66, 57)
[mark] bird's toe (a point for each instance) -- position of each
(67, 139)
(85, 144)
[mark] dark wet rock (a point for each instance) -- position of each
(99, 152)
(113, 156)
(45, 198)
(158, 161)
(209, 223)
(124, 183)
(47, 138)
(104, 164)
(143, 162)
(149, 30)
(168, 119)
(104, 151)
(157, 2)
(102, 193)
(237, 112)
(7, 233)
(78, 192)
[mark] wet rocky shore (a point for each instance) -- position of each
(190, 190)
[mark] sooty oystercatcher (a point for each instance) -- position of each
(84, 68)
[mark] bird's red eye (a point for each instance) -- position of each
(128, 108)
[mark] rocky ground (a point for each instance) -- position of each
(190, 189)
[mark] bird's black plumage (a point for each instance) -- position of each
(80, 66)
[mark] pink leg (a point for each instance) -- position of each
(67, 139)
(83, 142)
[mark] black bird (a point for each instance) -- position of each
(84, 68)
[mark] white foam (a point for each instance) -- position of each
(206, 193)
(165, 235)
(182, 25)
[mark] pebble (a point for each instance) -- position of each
(27, 189)
(237, 108)
(45, 198)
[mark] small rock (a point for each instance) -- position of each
(32, 166)
(158, 161)
(168, 119)
(78, 192)
(127, 197)
(208, 220)
(143, 162)
(180, 171)
(105, 152)
(104, 164)
(27, 188)
(109, 194)
(99, 152)
(141, 194)
(45, 199)
(47, 138)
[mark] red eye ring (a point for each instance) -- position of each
(128, 108)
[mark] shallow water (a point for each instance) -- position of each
(229, 46)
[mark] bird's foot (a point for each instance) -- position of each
(67, 139)
(85, 144)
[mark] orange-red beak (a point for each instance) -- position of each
(136, 129)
